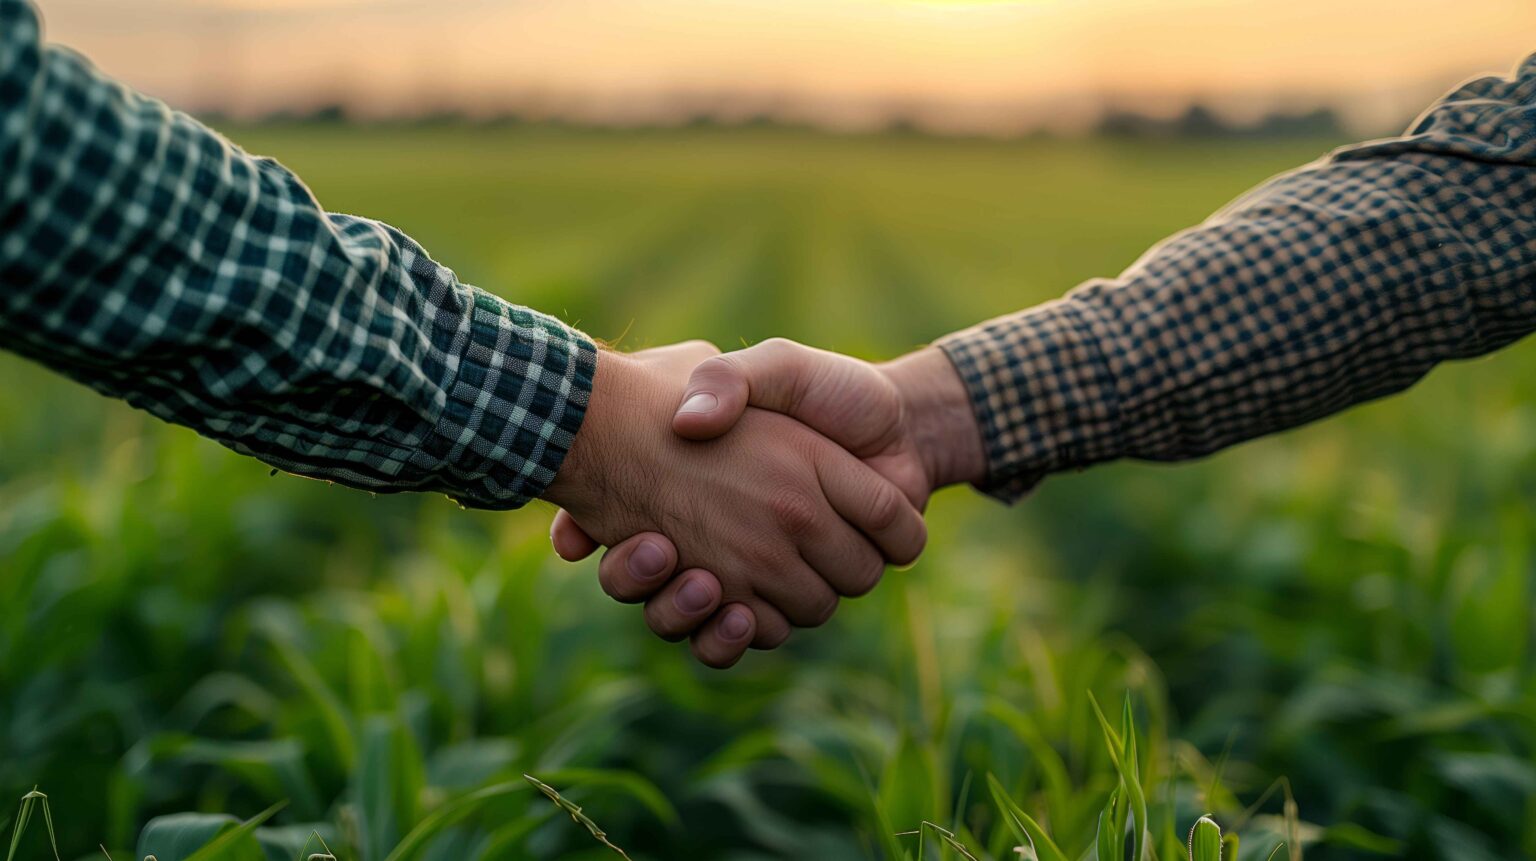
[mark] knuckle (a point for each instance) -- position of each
(886, 506)
(660, 623)
(771, 638)
(724, 365)
(777, 345)
(772, 631)
(918, 541)
(611, 586)
(761, 557)
(821, 612)
(716, 369)
(793, 511)
(865, 579)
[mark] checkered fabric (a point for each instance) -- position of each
(1337, 283)
(149, 258)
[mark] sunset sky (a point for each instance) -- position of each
(977, 66)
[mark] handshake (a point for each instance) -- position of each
(777, 479)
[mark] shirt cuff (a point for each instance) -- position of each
(1042, 393)
(515, 406)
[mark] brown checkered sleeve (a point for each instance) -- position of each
(1340, 282)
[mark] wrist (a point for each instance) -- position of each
(585, 475)
(936, 408)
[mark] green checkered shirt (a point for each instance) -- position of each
(151, 259)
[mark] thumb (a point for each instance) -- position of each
(572, 543)
(768, 375)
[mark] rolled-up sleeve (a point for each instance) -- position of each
(1339, 282)
(146, 256)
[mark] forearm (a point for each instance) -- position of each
(1335, 284)
(149, 258)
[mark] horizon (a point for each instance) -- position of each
(992, 68)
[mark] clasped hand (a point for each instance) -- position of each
(778, 479)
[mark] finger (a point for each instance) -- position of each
(571, 542)
(722, 640)
(772, 628)
(842, 556)
(872, 505)
(772, 375)
(714, 400)
(636, 567)
(797, 592)
(845, 399)
(836, 552)
(683, 604)
(681, 357)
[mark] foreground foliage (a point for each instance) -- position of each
(201, 837)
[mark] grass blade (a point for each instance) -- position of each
(632, 785)
(30, 802)
(575, 812)
(1024, 827)
(945, 836)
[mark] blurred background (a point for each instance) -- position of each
(1347, 607)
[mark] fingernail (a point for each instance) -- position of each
(702, 402)
(646, 561)
(734, 626)
(693, 597)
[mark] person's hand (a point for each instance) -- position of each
(909, 419)
(775, 520)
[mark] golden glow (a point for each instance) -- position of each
(836, 60)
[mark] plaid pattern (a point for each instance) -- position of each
(1340, 282)
(149, 258)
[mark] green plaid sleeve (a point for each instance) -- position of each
(1331, 285)
(149, 258)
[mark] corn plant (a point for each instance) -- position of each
(212, 837)
(1125, 810)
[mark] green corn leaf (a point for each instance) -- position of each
(387, 783)
(1111, 836)
(447, 815)
(1122, 752)
(202, 836)
(176, 836)
(337, 722)
(1024, 827)
(1205, 840)
(236, 842)
(225, 845)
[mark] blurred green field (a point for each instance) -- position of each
(1348, 606)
